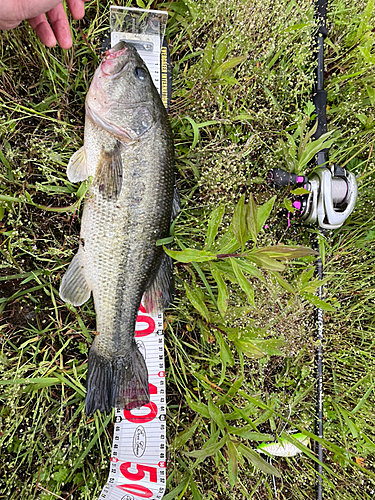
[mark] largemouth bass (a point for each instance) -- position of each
(128, 152)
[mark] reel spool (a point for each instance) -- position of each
(332, 194)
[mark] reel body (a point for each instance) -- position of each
(332, 194)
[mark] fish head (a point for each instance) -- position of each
(122, 97)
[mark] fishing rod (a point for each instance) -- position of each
(331, 198)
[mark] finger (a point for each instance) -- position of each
(34, 8)
(43, 30)
(77, 8)
(60, 26)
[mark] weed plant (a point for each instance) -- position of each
(240, 336)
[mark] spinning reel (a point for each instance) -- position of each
(332, 194)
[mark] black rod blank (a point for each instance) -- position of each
(320, 101)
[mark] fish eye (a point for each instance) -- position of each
(140, 73)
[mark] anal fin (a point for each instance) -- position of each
(74, 288)
(161, 291)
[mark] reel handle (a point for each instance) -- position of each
(277, 177)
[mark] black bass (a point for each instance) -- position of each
(128, 152)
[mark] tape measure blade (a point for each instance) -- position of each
(138, 461)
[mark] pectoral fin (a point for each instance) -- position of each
(77, 166)
(108, 175)
(74, 288)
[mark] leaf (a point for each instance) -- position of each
(5, 161)
(285, 252)
(300, 191)
(296, 27)
(216, 414)
(207, 451)
(270, 346)
(362, 118)
(371, 94)
(165, 241)
(199, 408)
(250, 269)
(288, 205)
(40, 381)
(247, 432)
(179, 488)
(231, 63)
(353, 428)
(314, 147)
(213, 226)
(4, 197)
(232, 463)
(208, 56)
(266, 262)
(223, 297)
(252, 219)
(249, 349)
(184, 436)
(221, 50)
(362, 400)
(225, 353)
(313, 286)
(306, 276)
(84, 187)
(61, 474)
(317, 302)
(234, 388)
(207, 123)
(243, 117)
(195, 491)
(195, 132)
(206, 284)
(263, 212)
(283, 283)
(190, 255)
(307, 137)
(256, 460)
(243, 282)
(196, 296)
(365, 19)
(228, 245)
(239, 223)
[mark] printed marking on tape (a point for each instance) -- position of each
(138, 460)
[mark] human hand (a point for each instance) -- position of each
(13, 12)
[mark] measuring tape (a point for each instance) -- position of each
(138, 461)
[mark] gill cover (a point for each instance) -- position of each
(121, 98)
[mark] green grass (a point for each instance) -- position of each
(239, 368)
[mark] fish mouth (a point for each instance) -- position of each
(115, 60)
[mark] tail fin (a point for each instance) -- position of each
(117, 381)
